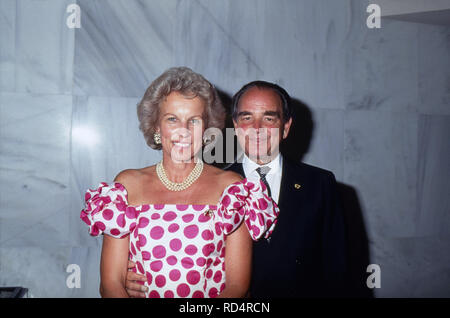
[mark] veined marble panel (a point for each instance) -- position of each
(122, 46)
(434, 69)
(40, 269)
(380, 161)
(433, 170)
(37, 47)
(34, 169)
(383, 68)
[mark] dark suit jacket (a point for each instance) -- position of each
(305, 256)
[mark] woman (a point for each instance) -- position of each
(174, 219)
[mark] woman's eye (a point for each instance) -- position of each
(195, 121)
(171, 119)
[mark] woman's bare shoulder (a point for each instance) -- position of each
(131, 178)
(225, 177)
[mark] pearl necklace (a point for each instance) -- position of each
(174, 186)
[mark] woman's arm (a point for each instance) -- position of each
(238, 263)
(113, 266)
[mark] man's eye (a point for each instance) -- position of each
(246, 118)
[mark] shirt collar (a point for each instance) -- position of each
(249, 166)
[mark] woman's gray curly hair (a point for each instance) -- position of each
(186, 82)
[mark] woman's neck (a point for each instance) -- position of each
(177, 171)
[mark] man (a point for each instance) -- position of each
(305, 255)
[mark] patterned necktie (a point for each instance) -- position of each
(263, 171)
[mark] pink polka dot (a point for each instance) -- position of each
(159, 251)
(155, 216)
(130, 212)
(115, 232)
(188, 217)
(140, 267)
(158, 206)
(216, 262)
(87, 196)
(143, 222)
(198, 294)
(173, 227)
(209, 273)
(226, 201)
(193, 277)
(169, 294)
(108, 214)
(219, 245)
(145, 255)
(183, 290)
(133, 250)
(160, 281)
(217, 276)
(149, 278)
(175, 244)
(187, 262)
(255, 230)
(213, 292)
(174, 275)
(260, 219)
(203, 218)
(190, 249)
(201, 261)
(154, 294)
(228, 228)
(207, 235)
(156, 232)
(99, 226)
(222, 287)
(198, 207)
(233, 190)
(156, 266)
(218, 228)
(121, 220)
(182, 207)
(169, 216)
(237, 205)
(208, 249)
(172, 260)
(191, 231)
(141, 242)
(237, 218)
(262, 204)
(145, 208)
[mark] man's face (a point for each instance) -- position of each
(259, 124)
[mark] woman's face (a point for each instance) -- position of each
(181, 126)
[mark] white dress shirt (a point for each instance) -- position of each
(273, 177)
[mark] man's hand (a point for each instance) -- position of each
(133, 286)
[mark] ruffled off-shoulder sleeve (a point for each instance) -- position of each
(248, 202)
(107, 211)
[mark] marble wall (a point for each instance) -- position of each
(378, 100)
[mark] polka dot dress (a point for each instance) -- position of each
(180, 248)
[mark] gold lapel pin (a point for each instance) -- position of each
(297, 186)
